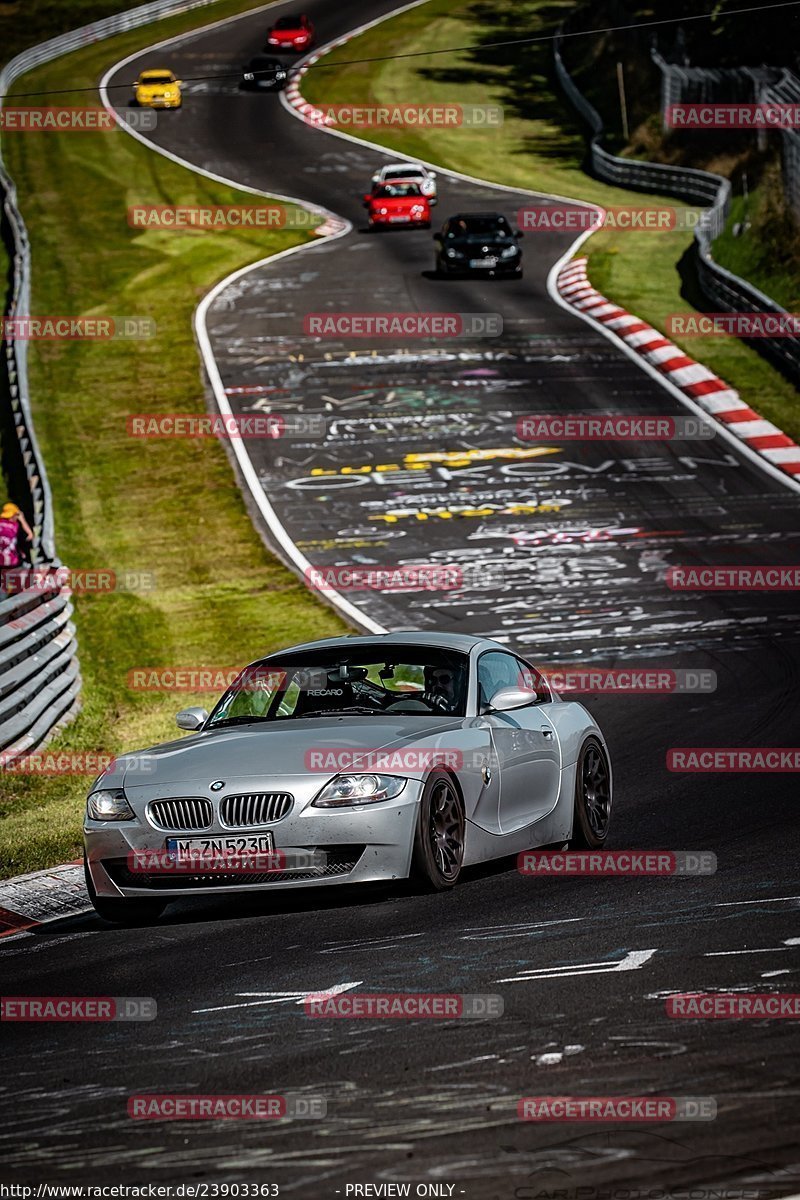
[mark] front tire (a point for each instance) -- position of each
(439, 835)
(593, 797)
(122, 911)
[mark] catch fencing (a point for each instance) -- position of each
(725, 291)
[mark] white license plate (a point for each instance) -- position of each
(196, 850)
(483, 262)
(395, 220)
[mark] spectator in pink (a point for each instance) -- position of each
(12, 521)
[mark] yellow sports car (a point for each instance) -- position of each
(158, 89)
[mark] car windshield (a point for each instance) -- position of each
(288, 23)
(404, 173)
(491, 226)
(391, 191)
(366, 681)
(162, 77)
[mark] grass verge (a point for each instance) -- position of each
(539, 146)
(169, 507)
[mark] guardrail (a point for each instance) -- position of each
(39, 674)
(725, 291)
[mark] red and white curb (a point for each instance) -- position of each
(314, 116)
(317, 118)
(27, 901)
(706, 389)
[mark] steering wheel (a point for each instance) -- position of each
(364, 694)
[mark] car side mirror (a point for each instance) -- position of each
(367, 198)
(179, 83)
(507, 698)
(431, 174)
(191, 718)
(519, 234)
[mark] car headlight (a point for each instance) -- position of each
(301, 38)
(417, 208)
(509, 252)
(109, 805)
(383, 211)
(346, 791)
(167, 95)
(454, 253)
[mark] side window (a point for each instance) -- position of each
(496, 670)
(532, 680)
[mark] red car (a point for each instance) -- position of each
(400, 202)
(291, 33)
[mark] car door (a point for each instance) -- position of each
(525, 741)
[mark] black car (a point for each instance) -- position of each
(478, 242)
(264, 74)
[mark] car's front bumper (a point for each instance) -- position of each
(351, 845)
(462, 267)
(398, 221)
(159, 103)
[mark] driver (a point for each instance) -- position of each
(441, 688)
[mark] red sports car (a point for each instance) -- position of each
(400, 202)
(291, 33)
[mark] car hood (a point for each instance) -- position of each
(319, 745)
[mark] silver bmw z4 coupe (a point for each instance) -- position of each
(349, 760)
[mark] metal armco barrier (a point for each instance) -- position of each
(39, 678)
(39, 675)
(725, 291)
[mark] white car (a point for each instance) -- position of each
(409, 170)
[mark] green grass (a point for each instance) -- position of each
(24, 23)
(172, 507)
(767, 253)
(540, 146)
